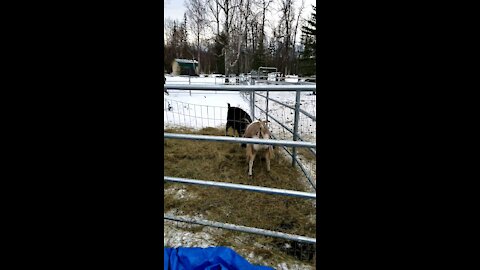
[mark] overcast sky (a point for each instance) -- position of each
(174, 9)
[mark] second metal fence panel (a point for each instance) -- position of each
(237, 140)
(267, 190)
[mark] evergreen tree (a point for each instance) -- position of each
(309, 40)
(220, 41)
(259, 57)
(311, 27)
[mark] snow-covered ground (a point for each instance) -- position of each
(200, 109)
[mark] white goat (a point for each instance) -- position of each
(258, 129)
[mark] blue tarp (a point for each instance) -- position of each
(212, 258)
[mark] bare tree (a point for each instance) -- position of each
(196, 12)
(228, 12)
(214, 8)
(265, 5)
(239, 28)
(258, 31)
(285, 24)
(300, 10)
(235, 35)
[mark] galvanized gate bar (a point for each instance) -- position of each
(237, 140)
(246, 88)
(289, 130)
(266, 114)
(240, 228)
(275, 191)
(305, 172)
(295, 125)
(308, 114)
(285, 127)
(252, 102)
(288, 106)
(279, 102)
(311, 150)
(274, 119)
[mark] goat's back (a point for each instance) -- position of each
(235, 113)
(256, 127)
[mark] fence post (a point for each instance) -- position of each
(266, 111)
(252, 101)
(295, 125)
(253, 105)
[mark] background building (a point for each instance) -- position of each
(184, 67)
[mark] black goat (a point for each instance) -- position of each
(237, 119)
(165, 89)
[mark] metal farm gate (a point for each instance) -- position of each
(252, 91)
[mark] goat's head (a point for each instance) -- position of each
(262, 128)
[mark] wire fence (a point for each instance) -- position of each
(279, 108)
(205, 80)
(285, 115)
(183, 114)
(220, 80)
(194, 115)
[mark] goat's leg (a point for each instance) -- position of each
(250, 164)
(248, 155)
